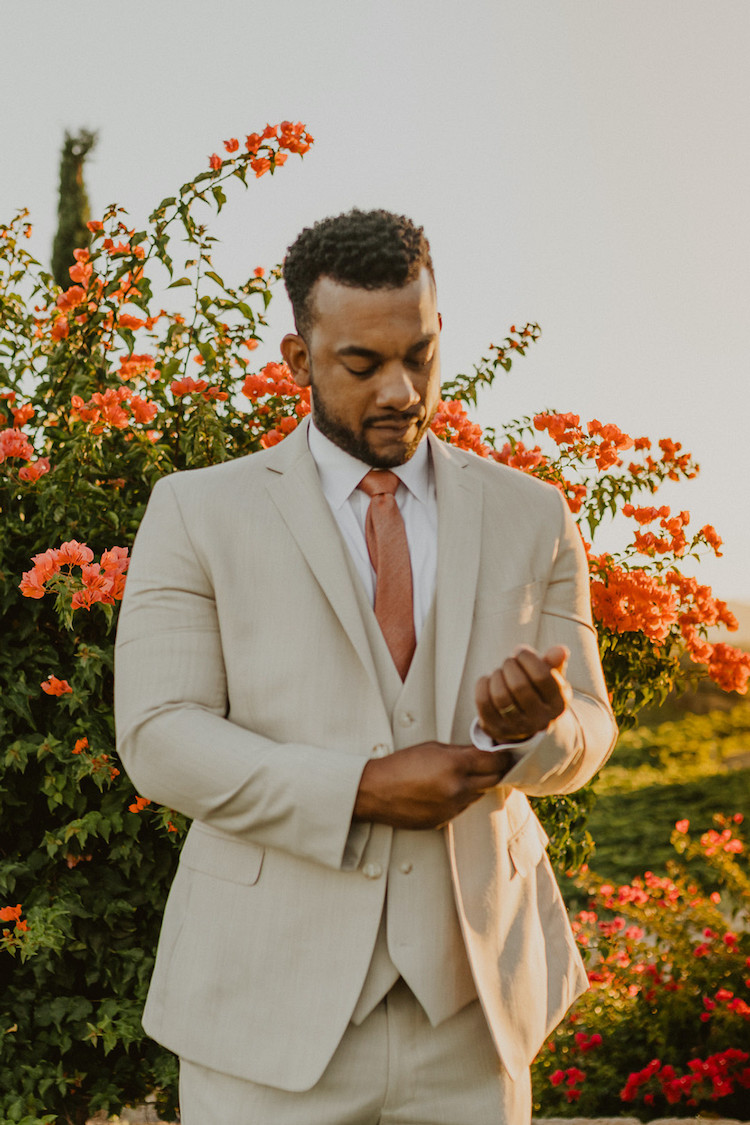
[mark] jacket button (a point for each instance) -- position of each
(406, 867)
(381, 750)
(372, 871)
(406, 719)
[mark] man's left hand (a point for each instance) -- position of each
(525, 695)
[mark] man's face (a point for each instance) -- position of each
(372, 361)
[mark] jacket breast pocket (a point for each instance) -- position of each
(222, 856)
(527, 846)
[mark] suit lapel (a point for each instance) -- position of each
(294, 487)
(459, 543)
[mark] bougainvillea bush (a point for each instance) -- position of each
(102, 392)
(665, 1028)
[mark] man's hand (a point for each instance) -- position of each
(425, 786)
(525, 695)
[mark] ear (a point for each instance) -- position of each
(297, 357)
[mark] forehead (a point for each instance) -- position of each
(373, 317)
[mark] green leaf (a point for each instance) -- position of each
(180, 281)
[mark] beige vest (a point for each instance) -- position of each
(419, 937)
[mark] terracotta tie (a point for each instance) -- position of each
(389, 554)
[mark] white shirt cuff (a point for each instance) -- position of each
(484, 741)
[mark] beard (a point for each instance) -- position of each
(357, 444)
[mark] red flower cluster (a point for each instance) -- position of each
(14, 443)
(519, 457)
(713, 841)
(631, 601)
(276, 386)
(116, 407)
(647, 543)
(99, 582)
(573, 1079)
(452, 423)
(275, 381)
(564, 429)
(188, 386)
(133, 366)
(716, 1077)
(13, 914)
(288, 135)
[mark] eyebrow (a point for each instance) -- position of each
(368, 353)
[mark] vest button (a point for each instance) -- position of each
(406, 719)
(372, 871)
(406, 867)
(381, 750)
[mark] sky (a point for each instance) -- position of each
(579, 163)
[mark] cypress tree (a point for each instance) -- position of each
(73, 207)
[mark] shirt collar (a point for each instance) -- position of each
(340, 473)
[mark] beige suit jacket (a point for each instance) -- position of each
(246, 697)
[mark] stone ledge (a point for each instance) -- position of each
(147, 1115)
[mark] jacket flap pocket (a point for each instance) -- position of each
(223, 856)
(527, 845)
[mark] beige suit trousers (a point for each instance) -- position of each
(393, 1069)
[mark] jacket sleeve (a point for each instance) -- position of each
(173, 735)
(577, 743)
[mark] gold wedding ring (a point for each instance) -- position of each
(507, 710)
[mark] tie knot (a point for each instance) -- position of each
(379, 481)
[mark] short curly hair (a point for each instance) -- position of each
(364, 249)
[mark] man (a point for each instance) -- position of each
(348, 659)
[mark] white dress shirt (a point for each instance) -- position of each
(340, 474)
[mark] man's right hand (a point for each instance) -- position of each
(425, 786)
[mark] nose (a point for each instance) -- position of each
(396, 391)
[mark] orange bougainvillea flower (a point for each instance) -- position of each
(452, 423)
(131, 366)
(80, 746)
(214, 161)
(260, 166)
(187, 386)
(562, 428)
(23, 414)
(139, 804)
(294, 137)
(53, 686)
(10, 913)
(253, 142)
(74, 553)
(232, 144)
(81, 272)
(714, 541)
(632, 601)
(14, 443)
(125, 320)
(71, 298)
(60, 329)
(143, 411)
(34, 470)
(32, 585)
(645, 515)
